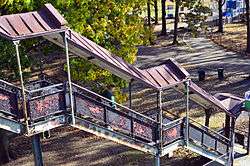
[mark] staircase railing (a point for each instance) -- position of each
(172, 131)
(9, 97)
(46, 101)
(113, 115)
(208, 138)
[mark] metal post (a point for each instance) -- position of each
(69, 78)
(157, 160)
(232, 135)
(16, 43)
(187, 113)
(130, 94)
(37, 150)
(248, 138)
(160, 119)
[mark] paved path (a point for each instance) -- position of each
(199, 53)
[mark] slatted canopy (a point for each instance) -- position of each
(48, 23)
(32, 24)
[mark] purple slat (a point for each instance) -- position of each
(149, 77)
(171, 73)
(6, 26)
(176, 69)
(157, 77)
(161, 70)
(41, 21)
(3, 31)
(54, 15)
(17, 24)
(30, 20)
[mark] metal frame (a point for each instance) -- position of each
(69, 77)
(16, 43)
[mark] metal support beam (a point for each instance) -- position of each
(227, 126)
(248, 137)
(157, 160)
(232, 138)
(69, 78)
(16, 43)
(130, 94)
(187, 112)
(37, 150)
(160, 119)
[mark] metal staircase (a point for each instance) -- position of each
(48, 108)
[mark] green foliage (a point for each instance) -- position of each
(8, 61)
(197, 16)
(113, 24)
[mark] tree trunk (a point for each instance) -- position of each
(156, 11)
(248, 26)
(176, 20)
(220, 26)
(208, 113)
(163, 8)
(149, 13)
(4, 147)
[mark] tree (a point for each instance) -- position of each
(149, 12)
(164, 24)
(248, 26)
(113, 24)
(156, 11)
(220, 6)
(176, 20)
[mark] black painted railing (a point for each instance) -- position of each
(207, 138)
(173, 131)
(9, 97)
(97, 108)
(45, 102)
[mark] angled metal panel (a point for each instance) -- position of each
(114, 136)
(11, 125)
(206, 153)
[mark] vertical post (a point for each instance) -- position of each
(227, 126)
(69, 78)
(16, 43)
(130, 94)
(187, 112)
(37, 150)
(159, 131)
(157, 159)
(232, 138)
(248, 137)
(160, 118)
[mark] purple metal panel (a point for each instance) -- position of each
(6, 26)
(150, 78)
(87, 108)
(208, 97)
(157, 77)
(18, 25)
(41, 21)
(31, 21)
(9, 103)
(54, 15)
(143, 131)
(165, 74)
(46, 106)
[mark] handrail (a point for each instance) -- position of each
(46, 88)
(216, 159)
(10, 84)
(172, 122)
(146, 117)
(213, 131)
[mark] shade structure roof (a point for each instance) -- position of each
(32, 24)
(48, 23)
